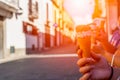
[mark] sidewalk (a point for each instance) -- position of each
(63, 50)
(12, 58)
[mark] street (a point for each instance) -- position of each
(35, 67)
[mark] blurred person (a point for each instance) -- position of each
(109, 49)
(102, 37)
(97, 68)
(113, 58)
(104, 43)
(114, 42)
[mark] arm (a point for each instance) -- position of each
(102, 37)
(108, 47)
(100, 50)
(108, 56)
(116, 60)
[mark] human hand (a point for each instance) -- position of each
(101, 36)
(98, 49)
(94, 68)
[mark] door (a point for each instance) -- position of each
(1, 39)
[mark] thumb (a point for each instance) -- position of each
(95, 56)
(79, 52)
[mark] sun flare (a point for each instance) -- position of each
(80, 10)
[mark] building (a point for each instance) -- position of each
(32, 25)
(63, 23)
(48, 24)
(68, 29)
(112, 9)
(38, 25)
(12, 39)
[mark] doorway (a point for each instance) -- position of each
(1, 39)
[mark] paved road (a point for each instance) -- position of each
(41, 68)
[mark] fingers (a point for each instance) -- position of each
(83, 61)
(79, 52)
(96, 56)
(86, 69)
(85, 76)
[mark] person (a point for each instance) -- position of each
(97, 68)
(108, 47)
(110, 44)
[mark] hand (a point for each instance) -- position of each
(94, 68)
(102, 37)
(98, 49)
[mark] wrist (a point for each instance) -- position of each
(111, 73)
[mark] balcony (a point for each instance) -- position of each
(33, 10)
(9, 5)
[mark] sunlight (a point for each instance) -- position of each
(80, 3)
(52, 55)
(79, 9)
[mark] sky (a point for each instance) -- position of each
(80, 10)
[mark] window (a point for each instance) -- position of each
(33, 10)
